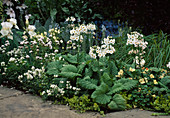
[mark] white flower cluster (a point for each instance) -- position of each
(33, 73)
(7, 26)
(106, 48)
(76, 33)
(136, 39)
(4, 47)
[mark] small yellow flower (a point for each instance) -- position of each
(130, 78)
(131, 69)
(155, 82)
(120, 72)
(142, 81)
(154, 95)
(151, 76)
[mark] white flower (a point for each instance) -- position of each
(142, 62)
(68, 19)
(31, 33)
(27, 56)
(12, 59)
(13, 21)
(55, 75)
(2, 63)
(91, 27)
(23, 6)
(8, 3)
(10, 12)
(6, 25)
(29, 76)
(31, 28)
(72, 19)
(168, 65)
(43, 93)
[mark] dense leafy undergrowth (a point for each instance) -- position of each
(71, 63)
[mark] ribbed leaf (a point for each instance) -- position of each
(53, 68)
(117, 103)
(123, 84)
(100, 94)
(88, 83)
(69, 68)
(70, 58)
(81, 68)
(106, 79)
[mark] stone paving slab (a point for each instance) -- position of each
(16, 104)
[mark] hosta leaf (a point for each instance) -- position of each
(117, 103)
(69, 74)
(69, 68)
(100, 94)
(87, 83)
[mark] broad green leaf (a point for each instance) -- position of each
(69, 74)
(71, 59)
(88, 72)
(69, 68)
(100, 94)
(117, 103)
(95, 65)
(53, 67)
(106, 79)
(87, 83)
(122, 84)
(81, 67)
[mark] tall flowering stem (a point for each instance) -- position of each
(138, 45)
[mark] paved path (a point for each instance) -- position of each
(16, 104)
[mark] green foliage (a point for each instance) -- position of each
(82, 103)
(158, 51)
(123, 84)
(117, 103)
(71, 58)
(54, 67)
(70, 75)
(1, 10)
(87, 83)
(106, 79)
(59, 10)
(69, 68)
(100, 94)
(162, 103)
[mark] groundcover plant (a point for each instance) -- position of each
(66, 63)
